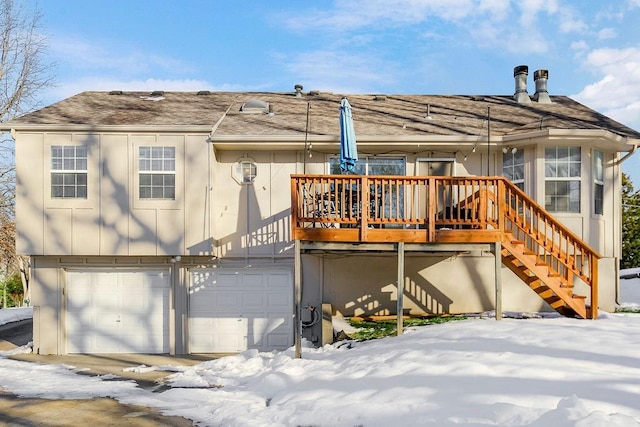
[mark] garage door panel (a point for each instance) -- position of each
(241, 314)
(124, 313)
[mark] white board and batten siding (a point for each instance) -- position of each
(233, 310)
(117, 311)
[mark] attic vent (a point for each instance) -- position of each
(115, 92)
(314, 92)
(156, 95)
(204, 92)
(380, 98)
(255, 106)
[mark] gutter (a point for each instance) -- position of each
(619, 162)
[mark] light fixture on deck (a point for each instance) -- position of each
(513, 150)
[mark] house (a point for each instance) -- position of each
(163, 222)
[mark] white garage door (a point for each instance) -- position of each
(118, 311)
(235, 310)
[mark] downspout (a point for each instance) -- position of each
(209, 139)
(618, 163)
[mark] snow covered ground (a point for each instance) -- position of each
(533, 371)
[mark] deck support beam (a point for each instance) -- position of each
(400, 306)
(498, 278)
(297, 300)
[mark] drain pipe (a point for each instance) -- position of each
(619, 162)
(629, 154)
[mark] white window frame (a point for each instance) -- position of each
(509, 170)
(159, 164)
(69, 165)
(563, 170)
(598, 182)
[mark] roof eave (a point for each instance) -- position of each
(597, 137)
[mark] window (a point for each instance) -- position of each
(372, 166)
(68, 172)
(562, 179)
(513, 167)
(157, 167)
(598, 182)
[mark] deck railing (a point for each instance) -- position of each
(354, 208)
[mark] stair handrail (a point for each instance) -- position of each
(552, 249)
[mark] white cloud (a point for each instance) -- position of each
(82, 54)
(340, 71)
(616, 93)
(517, 26)
(607, 33)
(579, 46)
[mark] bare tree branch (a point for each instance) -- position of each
(23, 76)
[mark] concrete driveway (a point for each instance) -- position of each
(17, 411)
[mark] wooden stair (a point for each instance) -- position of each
(551, 286)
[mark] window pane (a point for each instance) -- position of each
(156, 165)
(550, 153)
(69, 164)
(56, 191)
(574, 169)
(170, 152)
(156, 152)
(81, 164)
(69, 151)
(156, 180)
(169, 180)
(145, 152)
(550, 170)
(82, 192)
(169, 193)
(170, 165)
(562, 154)
(56, 151)
(81, 179)
(574, 154)
(598, 207)
(145, 192)
(156, 193)
(81, 151)
(563, 170)
(68, 191)
(69, 179)
(598, 165)
(145, 165)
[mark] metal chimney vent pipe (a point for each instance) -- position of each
(541, 95)
(520, 73)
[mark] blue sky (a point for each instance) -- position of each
(590, 47)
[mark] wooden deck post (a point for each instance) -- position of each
(297, 300)
(498, 274)
(400, 306)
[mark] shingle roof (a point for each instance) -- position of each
(388, 115)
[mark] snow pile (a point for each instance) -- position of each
(8, 315)
(630, 289)
(538, 372)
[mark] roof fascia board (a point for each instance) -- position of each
(6, 127)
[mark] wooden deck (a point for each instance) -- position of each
(539, 249)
